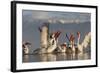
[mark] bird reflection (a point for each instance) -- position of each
(47, 57)
(56, 57)
(25, 58)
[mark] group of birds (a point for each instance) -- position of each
(75, 47)
(53, 45)
(71, 46)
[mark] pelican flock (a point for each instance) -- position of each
(49, 42)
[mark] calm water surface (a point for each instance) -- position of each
(57, 57)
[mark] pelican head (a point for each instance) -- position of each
(55, 35)
(25, 47)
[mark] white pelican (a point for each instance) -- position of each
(53, 42)
(43, 35)
(43, 39)
(25, 47)
(87, 40)
(72, 38)
(79, 46)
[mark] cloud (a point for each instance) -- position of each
(40, 15)
(64, 21)
(57, 17)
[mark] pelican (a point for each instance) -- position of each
(25, 47)
(72, 38)
(43, 35)
(43, 39)
(87, 40)
(79, 46)
(63, 47)
(53, 42)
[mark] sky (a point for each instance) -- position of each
(66, 22)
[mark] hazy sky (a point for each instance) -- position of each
(67, 16)
(67, 22)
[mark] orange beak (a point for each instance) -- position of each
(72, 37)
(78, 33)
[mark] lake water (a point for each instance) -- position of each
(57, 57)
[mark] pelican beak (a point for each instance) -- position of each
(78, 33)
(57, 34)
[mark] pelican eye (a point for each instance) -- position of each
(50, 36)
